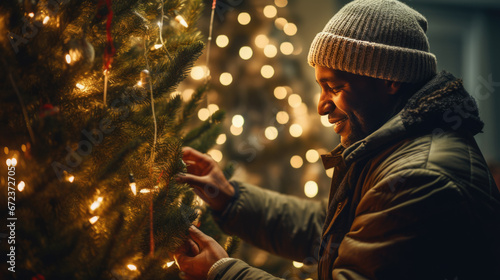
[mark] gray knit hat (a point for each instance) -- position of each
(377, 38)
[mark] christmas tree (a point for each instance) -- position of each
(92, 131)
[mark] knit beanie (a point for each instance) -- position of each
(382, 39)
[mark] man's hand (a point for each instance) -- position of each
(205, 175)
(197, 255)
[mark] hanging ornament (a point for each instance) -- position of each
(80, 51)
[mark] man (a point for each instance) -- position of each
(411, 195)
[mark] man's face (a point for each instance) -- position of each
(355, 105)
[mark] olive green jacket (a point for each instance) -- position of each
(413, 200)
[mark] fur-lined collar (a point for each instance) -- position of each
(440, 105)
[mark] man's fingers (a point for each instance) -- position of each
(191, 179)
(189, 153)
(199, 237)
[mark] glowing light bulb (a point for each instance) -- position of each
(246, 52)
(271, 132)
(14, 162)
(298, 264)
(68, 58)
(197, 73)
(280, 92)
(221, 139)
(6, 149)
(158, 46)
(286, 48)
(131, 267)
(215, 154)
(8, 162)
(226, 78)
(145, 191)
(31, 15)
(282, 117)
(238, 120)
(203, 114)
(139, 83)
(296, 161)
(267, 71)
(244, 18)
(169, 264)
(295, 130)
(21, 186)
(46, 19)
(270, 11)
(133, 188)
(80, 86)
(222, 41)
(311, 189)
(96, 204)
(270, 51)
(261, 41)
(71, 179)
(181, 20)
(312, 156)
(94, 219)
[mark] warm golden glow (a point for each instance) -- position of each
(8, 162)
(280, 92)
(270, 11)
(290, 29)
(280, 23)
(236, 130)
(238, 120)
(221, 139)
(133, 188)
(244, 18)
(270, 51)
(312, 156)
(294, 100)
(215, 154)
(286, 48)
(246, 52)
(261, 41)
(198, 72)
(21, 186)
(271, 132)
(226, 78)
(71, 178)
(203, 114)
(94, 219)
(68, 58)
(298, 264)
(311, 189)
(325, 122)
(31, 15)
(13, 162)
(329, 172)
(23, 148)
(132, 267)
(46, 20)
(187, 94)
(267, 71)
(181, 20)
(282, 117)
(281, 3)
(96, 203)
(295, 130)
(222, 41)
(145, 191)
(296, 162)
(212, 108)
(80, 86)
(6, 149)
(169, 264)
(158, 46)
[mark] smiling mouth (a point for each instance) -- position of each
(340, 121)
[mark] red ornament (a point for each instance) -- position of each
(48, 110)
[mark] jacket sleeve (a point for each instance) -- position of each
(281, 224)
(406, 226)
(239, 270)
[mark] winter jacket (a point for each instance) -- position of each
(413, 200)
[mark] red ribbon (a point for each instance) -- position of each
(213, 4)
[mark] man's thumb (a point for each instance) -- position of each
(199, 237)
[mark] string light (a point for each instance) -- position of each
(23, 148)
(71, 178)
(132, 183)
(14, 162)
(280, 92)
(226, 78)
(311, 189)
(203, 114)
(238, 120)
(271, 132)
(235, 130)
(145, 191)
(267, 71)
(270, 11)
(270, 51)
(261, 41)
(158, 46)
(96, 203)
(290, 29)
(94, 219)
(222, 41)
(294, 100)
(180, 19)
(31, 15)
(199, 72)
(68, 58)
(280, 23)
(296, 161)
(169, 264)
(312, 156)
(6, 150)
(46, 19)
(286, 48)
(215, 154)
(131, 267)
(80, 86)
(295, 130)
(212, 108)
(221, 139)
(244, 18)
(21, 186)
(298, 264)
(246, 52)
(8, 162)
(282, 117)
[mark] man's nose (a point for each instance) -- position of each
(325, 105)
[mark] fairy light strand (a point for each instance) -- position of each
(209, 43)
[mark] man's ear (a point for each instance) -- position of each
(392, 87)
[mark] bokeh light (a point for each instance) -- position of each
(280, 23)
(280, 92)
(296, 130)
(325, 122)
(282, 117)
(296, 162)
(267, 71)
(311, 189)
(244, 18)
(226, 78)
(221, 139)
(203, 114)
(294, 100)
(198, 72)
(270, 51)
(235, 130)
(281, 3)
(261, 41)
(215, 154)
(312, 156)
(246, 52)
(271, 132)
(286, 48)
(298, 264)
(238, 120)
(212, 108)
(222, 41)
(290, 29)
(270, 11)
